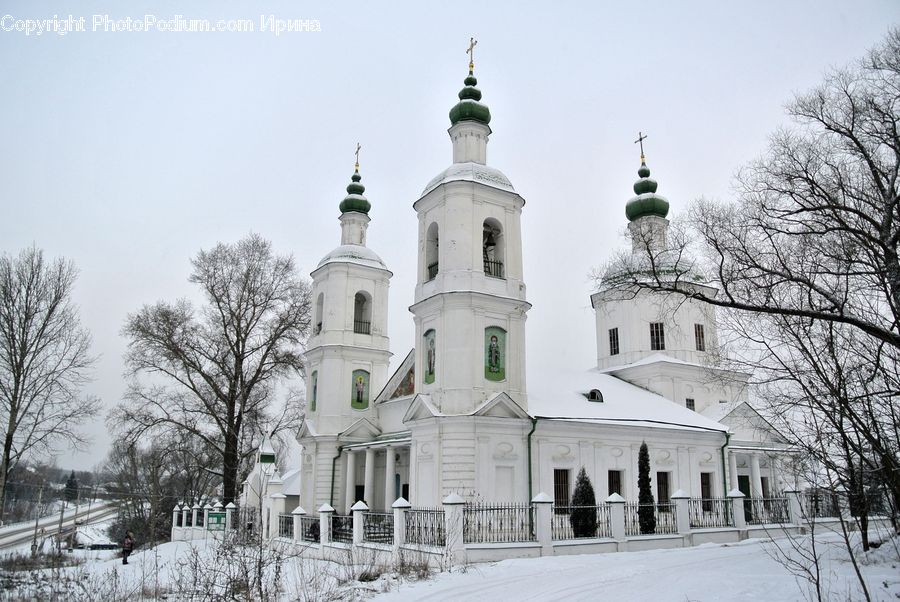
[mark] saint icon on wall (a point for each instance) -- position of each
(495, 353)
(430, 357)
(360, 391)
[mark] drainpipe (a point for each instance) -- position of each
(530, 433)
(724, 465)
(333, 460)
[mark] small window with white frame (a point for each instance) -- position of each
(614, 341)
(657, 336)
(699, 337)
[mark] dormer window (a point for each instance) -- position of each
(595, 395)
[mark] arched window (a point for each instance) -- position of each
(494, 353)
(431, 251)
(492, 248)
(362, 313)
(359, 396)
(320, 306)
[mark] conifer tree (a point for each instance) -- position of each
(584, 515)
(646, 503)
(71, 491)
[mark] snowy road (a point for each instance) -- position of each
(706, 573)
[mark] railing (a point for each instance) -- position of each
(178, 519)
(342, 529)
(432, 270)
(561, 521)
(709, 513)
(501, 523)
(309, 529)
(247, 518)
(199, 518)
(378, 527)
(821, 504)
(362, 327)
(493, 268)
(286, 526)
(425, 527)
(664, 515)
(187, 519)
(766, 511)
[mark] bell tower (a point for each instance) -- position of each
(470, 307)
(348, 354)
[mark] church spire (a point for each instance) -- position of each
(469, 108)
(647, 202)
(355, 201)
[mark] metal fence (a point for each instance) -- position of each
(342, 529)
(821, 504)
(286, 526)
(309, 529)
(425, 527)
(664, 515)
(498, 523)
(766, 511)
(199, 518)
(378, 527)
(710, 513)
(561, 521)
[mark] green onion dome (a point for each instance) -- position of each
(469, 108)
(355, 201)
(647, 202)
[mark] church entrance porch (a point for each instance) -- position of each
(376, 473)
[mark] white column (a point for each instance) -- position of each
(755, 479)
(350, 489)
(369, 484)
(732, 470)
(389, 470)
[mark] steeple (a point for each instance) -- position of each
(355, 209)
(469, 119)
(646, 211)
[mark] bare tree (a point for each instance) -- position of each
(214, 373)
(44, 360)
(805, 263)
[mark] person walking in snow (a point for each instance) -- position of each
(127, 546)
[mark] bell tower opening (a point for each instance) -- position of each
(492, 248)
(362, 313)
(431, 251)
(320, 306)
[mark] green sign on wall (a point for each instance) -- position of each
(216, 521)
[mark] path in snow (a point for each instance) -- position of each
(705, 573)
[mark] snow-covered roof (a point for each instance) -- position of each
(563, 397)
(470, 172)
(357, 254)
(652, 359)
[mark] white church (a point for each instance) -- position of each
(460, 416)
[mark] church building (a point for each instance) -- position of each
(462, 414)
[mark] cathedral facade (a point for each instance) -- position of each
(462, 414)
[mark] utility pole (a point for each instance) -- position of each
(62, 511)
(37, 516)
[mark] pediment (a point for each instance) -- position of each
(421, 408)
(361, 430)
(746, 423)
(501, 405)
(306, 430)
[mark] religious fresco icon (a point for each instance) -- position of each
(494, 353)
(314, 386)
(430, 357)
(360, 391)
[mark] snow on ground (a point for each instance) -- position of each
(710, 572)
(706, 573)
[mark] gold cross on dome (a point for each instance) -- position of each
(640, 140)
(471, 52)
(357, 155)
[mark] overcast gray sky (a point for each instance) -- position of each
(127, 152)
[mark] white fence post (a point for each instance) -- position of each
(359, 526)
(400, 507)
(206, 509)
(325, 512)
(543, 508)
(795, 506)
(453, 528)
(298, 514)
(229, 516)
(737, 509)
(176, 513)
(616, 505)
(184, 517)
(194, 510)
(682, 512)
